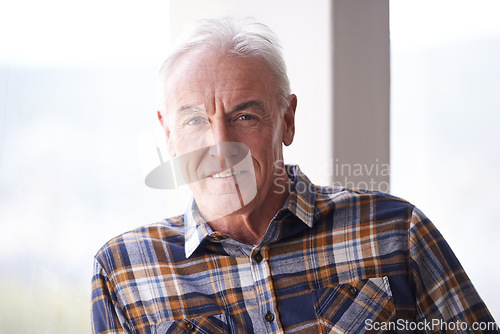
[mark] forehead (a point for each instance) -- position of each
(204, 74)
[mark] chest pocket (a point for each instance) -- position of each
(214, 324)
(347, 307)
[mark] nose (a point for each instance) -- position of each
(221, 130)
(224, 147)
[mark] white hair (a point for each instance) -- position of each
(244, 38)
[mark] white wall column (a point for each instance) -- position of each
(361, 93)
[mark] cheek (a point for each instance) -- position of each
(263, 160)
(188, 142)
(266, 146)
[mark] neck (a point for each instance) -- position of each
(249, 224)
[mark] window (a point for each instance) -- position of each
(444, 126)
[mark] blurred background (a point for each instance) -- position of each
(78, 129)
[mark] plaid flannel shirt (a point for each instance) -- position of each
(332, 261)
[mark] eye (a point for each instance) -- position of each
(195, 121)
(246, 117)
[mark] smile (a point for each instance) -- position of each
(225, 174)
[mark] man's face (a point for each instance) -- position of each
(226, 125)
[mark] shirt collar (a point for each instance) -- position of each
(302, 197)
(300, 202)
(197, 228)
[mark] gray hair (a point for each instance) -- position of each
(244, 38)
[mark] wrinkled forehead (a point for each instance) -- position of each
(201, 75)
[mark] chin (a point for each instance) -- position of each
(219, 198)
(217, 206)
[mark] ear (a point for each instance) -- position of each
(166, 129)
(289, 120)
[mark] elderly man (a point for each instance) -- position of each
(253, 253)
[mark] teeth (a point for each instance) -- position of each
(225, 174)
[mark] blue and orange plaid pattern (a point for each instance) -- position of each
(331, 261)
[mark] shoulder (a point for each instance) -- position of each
(348, 206)
(386, 205)
(120, 250)
(359, 209)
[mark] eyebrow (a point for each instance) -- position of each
(242, 106)
(188, 107)
(248, 105)
(185, 111)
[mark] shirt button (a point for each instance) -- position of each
(269, 317)
(353, 291)
(189, 326)
(257, 257)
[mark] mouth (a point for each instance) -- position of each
(226, 174)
